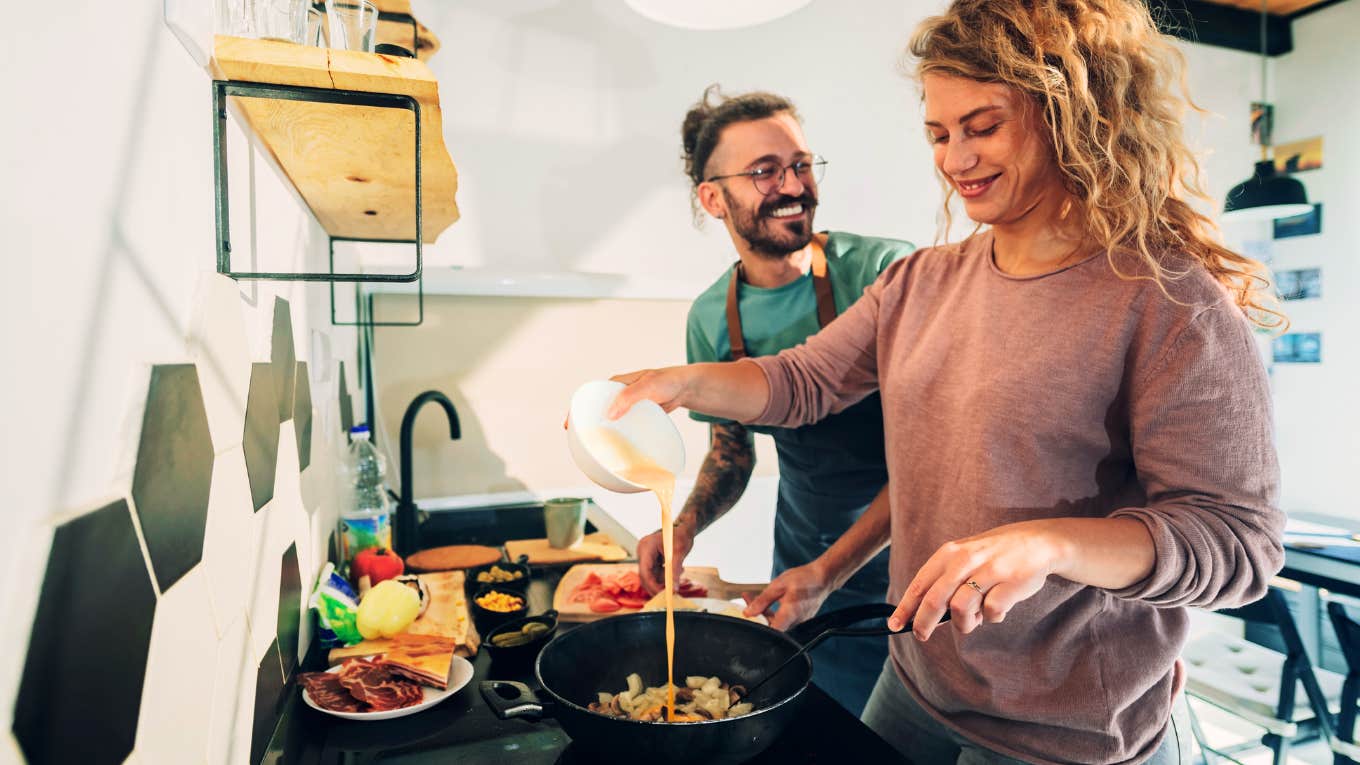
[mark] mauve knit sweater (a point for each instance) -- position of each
(1073, 393)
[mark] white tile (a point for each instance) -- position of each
(231, 668)
(320, 358)
(230, 549)
(173, 724)
(243, 715)
(217, 344)
(22, 588)
(10, 753)
(262, 605)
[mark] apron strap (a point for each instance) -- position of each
(821, 286)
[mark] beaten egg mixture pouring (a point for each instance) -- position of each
(638, 468)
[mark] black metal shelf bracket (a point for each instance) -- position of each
(359, 296)
(223, 89)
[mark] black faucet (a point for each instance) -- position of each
(407, 534)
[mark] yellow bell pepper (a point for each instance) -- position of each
(387, 609)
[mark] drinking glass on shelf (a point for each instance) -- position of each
(236, 18)
(282, 20)
(317, 34)
(353, 24)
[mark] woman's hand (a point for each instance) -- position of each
(982, 577)
(665, 386)
(800, 592)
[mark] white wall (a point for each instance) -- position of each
(107, 217)
(564, 120)
(1317, 411)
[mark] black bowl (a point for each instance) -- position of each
(520, 655)
(521, 584)
(486, 619)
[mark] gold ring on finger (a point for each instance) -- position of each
(973, 583)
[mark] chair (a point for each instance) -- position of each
(1347, 752)
(1260, 685)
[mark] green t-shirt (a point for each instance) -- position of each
(782, 317)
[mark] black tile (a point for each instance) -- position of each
(269, 688)
(302, 415)
(283, 359)
(261, 440)
(174, 472)
(81, 690)
(346, 404)
(333, 549)
(290, 609)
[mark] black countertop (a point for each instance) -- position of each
(464, 730)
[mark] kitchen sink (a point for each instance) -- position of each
(491, 525)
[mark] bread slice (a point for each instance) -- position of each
(426, 659)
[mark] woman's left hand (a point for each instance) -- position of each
(980, 578)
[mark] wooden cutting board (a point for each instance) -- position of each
(597, 546)
(452, 557)
(580, 612)
(446, 616)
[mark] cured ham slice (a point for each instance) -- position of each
(328, 692)
(372, 683)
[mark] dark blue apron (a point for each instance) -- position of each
(829, 472)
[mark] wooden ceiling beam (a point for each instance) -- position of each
(1222, 25)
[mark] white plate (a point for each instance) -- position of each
(459, 675)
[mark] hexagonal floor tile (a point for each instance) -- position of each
(282, 358)
(183, 646)
(269, 690)
(346, 403)
(302, 415)
(174, 471)
(218, 346)
(291, 609)
(261, 440)
(87, 652)
(230, 549)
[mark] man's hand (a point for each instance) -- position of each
(651, 561)
(799, 592)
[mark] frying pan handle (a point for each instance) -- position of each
(509, 699)
(842, 618)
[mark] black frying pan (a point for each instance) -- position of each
(576, 665)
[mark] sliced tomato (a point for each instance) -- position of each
(631, 601)
(591, 580)
(604, 605)
(689, 589)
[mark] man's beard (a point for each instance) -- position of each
(768, 237)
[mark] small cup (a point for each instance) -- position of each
(353, 24)
(282, 20)
(565, 519)
(318, 34)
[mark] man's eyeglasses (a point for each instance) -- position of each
(769, 176)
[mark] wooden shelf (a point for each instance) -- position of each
(353, 165)
(399, 32)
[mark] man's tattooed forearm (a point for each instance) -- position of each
(723, 477)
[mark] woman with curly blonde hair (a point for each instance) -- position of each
(1077, 420)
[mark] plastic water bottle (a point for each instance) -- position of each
(368, 521)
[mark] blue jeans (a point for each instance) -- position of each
(895, 716)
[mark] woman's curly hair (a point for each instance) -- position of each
(1111, 90)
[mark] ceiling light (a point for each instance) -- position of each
(714, 14)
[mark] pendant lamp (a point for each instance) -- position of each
(1267, 194)
(714, 14)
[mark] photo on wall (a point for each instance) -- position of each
(1299, 284)
(1299, 156)
(1300, 225)
(1298, 348)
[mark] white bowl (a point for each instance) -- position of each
(646, 427)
